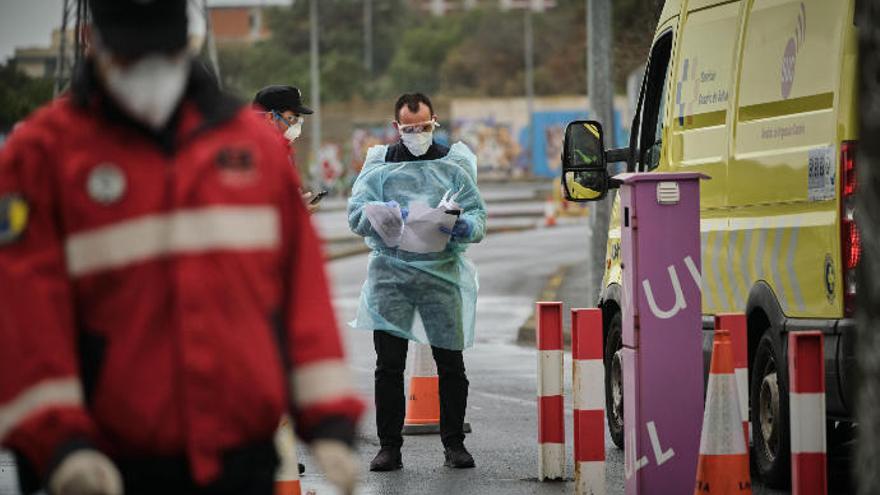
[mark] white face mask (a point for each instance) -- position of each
(149, 89)
(417, 143)
(293, 131)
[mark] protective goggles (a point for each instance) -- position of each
(293, 120)
(417, 128)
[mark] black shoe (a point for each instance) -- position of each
(458, 457)
(388, 459)
(302, 468)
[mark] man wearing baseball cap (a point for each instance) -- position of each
(282, 107)
(163, 298)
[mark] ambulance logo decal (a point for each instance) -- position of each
(789, 58)
(236, 166)
(829, 278)
(688, 73)
(106, 184)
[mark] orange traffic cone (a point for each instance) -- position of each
(423, 399)
(723, 468)
(287, 476)
(549, 213)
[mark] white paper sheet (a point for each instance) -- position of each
(386, 221)
(422, 231)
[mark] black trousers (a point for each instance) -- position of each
(391, 401)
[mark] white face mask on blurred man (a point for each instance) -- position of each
(417, 137)
(294, 130)
(148, 89)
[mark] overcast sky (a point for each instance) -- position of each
(30, 22)
(27, 23)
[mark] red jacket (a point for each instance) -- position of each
(166, 295)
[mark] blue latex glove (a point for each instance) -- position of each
(461, 229)
(404, 211)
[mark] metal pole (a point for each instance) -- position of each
(599, 84)
(867, 215)
(62, 51)
(368, 36)
(316, 83)
(212, 45)
(530, 81)
(81, 20)
(438, 7)
(601, 92)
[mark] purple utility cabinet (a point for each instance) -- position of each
(662, 350)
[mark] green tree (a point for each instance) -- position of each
(422, 50)
(20, 95)
(488, 61)
(284, 58)
(475, 53)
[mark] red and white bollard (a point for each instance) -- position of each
(735, 323)
(551, 427)
(588, 385)
(806, 371)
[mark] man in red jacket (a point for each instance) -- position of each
(162, 294)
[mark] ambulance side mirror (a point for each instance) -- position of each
(584, 174)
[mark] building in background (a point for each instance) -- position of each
(241, 21)
(40, 62)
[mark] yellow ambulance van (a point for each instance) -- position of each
(760, 95)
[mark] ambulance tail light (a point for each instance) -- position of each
(850, 240)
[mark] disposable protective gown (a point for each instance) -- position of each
(441, 288)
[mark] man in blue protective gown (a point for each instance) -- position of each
(428, 297)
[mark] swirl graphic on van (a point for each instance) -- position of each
(688, 72)
(789, 58)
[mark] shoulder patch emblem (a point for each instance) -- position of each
(14, 212)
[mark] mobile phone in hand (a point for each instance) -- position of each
(317, 197)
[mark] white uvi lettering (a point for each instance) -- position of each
(680, 302)
(630, 464)
(695, 272)
(661, 456)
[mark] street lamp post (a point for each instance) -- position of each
(314, 64)
(530, 79)
(368, 36)
(211, 42)
(600, 92)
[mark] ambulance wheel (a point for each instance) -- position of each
(614, 380)
(769, 411)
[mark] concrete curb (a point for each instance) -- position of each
(550, 292)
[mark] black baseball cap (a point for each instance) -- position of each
(281, 98)
(133, 28)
